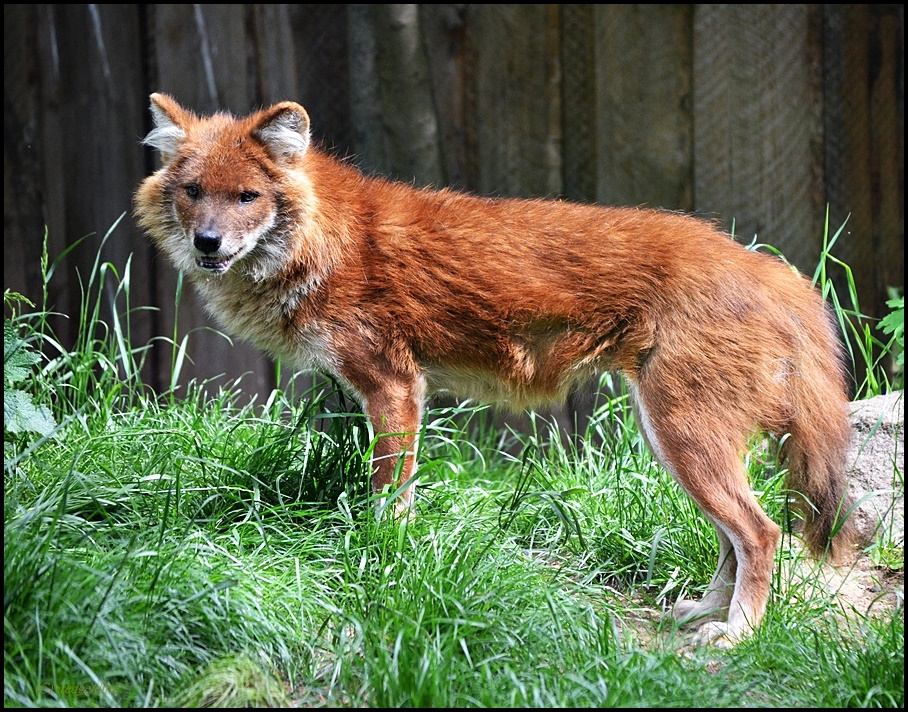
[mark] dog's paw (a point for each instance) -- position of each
(398, 510)
(719, 634)
(403, 510)
(696, 613)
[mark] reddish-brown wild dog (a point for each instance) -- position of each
(401, 293)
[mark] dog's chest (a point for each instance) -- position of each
(268, 316)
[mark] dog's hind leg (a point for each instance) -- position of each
(703, 455)
(715, 602)
(753, 537)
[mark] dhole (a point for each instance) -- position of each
(401, 293)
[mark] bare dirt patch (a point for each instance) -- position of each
(860, 590)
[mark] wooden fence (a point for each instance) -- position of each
(758, 115)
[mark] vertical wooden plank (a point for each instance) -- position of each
(56, 135)
(578, 96)
(847, 140)
(887, 105)
(644, 131)
(367, 140)
(517, 110)
(200, 57)
(864, 146)
(23, 175)
(411, 132)
(273, 51)
(395, 126)
(443, 28)
(628, 127)
(321, 37)
(757, 126)
(91, 130)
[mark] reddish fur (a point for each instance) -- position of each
(402, 292)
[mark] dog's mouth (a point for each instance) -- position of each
(215, 265)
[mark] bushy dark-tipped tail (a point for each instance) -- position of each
(816, 456)
(816, 479)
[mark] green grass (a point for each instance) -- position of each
(206, 551)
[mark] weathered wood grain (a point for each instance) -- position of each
(757, 126)
(516, 66)
(644, 124)
(761, 114)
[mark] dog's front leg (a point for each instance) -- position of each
(395, 412)
(395, 407)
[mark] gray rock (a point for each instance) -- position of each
(877, 467)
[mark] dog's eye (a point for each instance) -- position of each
(192, 191)
(247, 196)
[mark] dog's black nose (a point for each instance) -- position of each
(207, 242)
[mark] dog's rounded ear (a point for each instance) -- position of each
(284, 130)
(170, 121)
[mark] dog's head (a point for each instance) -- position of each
(220, 200)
